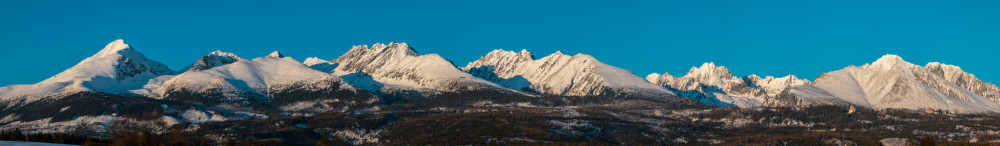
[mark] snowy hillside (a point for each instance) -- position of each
(715, 85)
(891, 82)
(115, 69)
(560, 74)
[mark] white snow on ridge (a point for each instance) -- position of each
(313, 61)
(888, 82)
(115, 69)
(247, 76)
(559, 74)
(398, 66)
(320, 64)
(891, 82)
(715, 85)
(214, 59)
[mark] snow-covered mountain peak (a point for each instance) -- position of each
(313, 61)
(941, 67)
(214, 59)
(402, 47)
(579, 58)
(275, 54)
(653, 77)
(559, 74)
(220, 53)
(524, 52)
(889, 61)
(115, 47)
(710, 74)
(393, 48)
(397, 66)
(501, 54)
(116, 69)
(775, 86)
(891, 82)
(709, 69)
(393, 51)
(557, 53)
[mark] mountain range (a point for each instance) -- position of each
(388, 86)
(120, 83)
(225, 78)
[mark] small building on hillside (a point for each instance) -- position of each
(850, 110)
(930, 110)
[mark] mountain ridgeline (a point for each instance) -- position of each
(396, 69)
(119, 82)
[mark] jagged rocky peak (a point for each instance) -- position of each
(393, 49)
(891, 82)
(500, 56)
(709, 69)
(124, 62)
(957, 76)
(500, 53)
(275, 54)
(774, 86)
(524, 52)
(559, 74)
(710, 74)
(214, 59)
(945, 70)
(579, 58)
(399, 67)
(787, 79)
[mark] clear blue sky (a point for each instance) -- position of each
(806, 38)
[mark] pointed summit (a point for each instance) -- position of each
(889, 61)
(402, 48)
(113, 48)
(709, 69)
(525, 54)
(276, 54)
(115, 69)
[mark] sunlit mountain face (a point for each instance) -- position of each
(388, 94)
